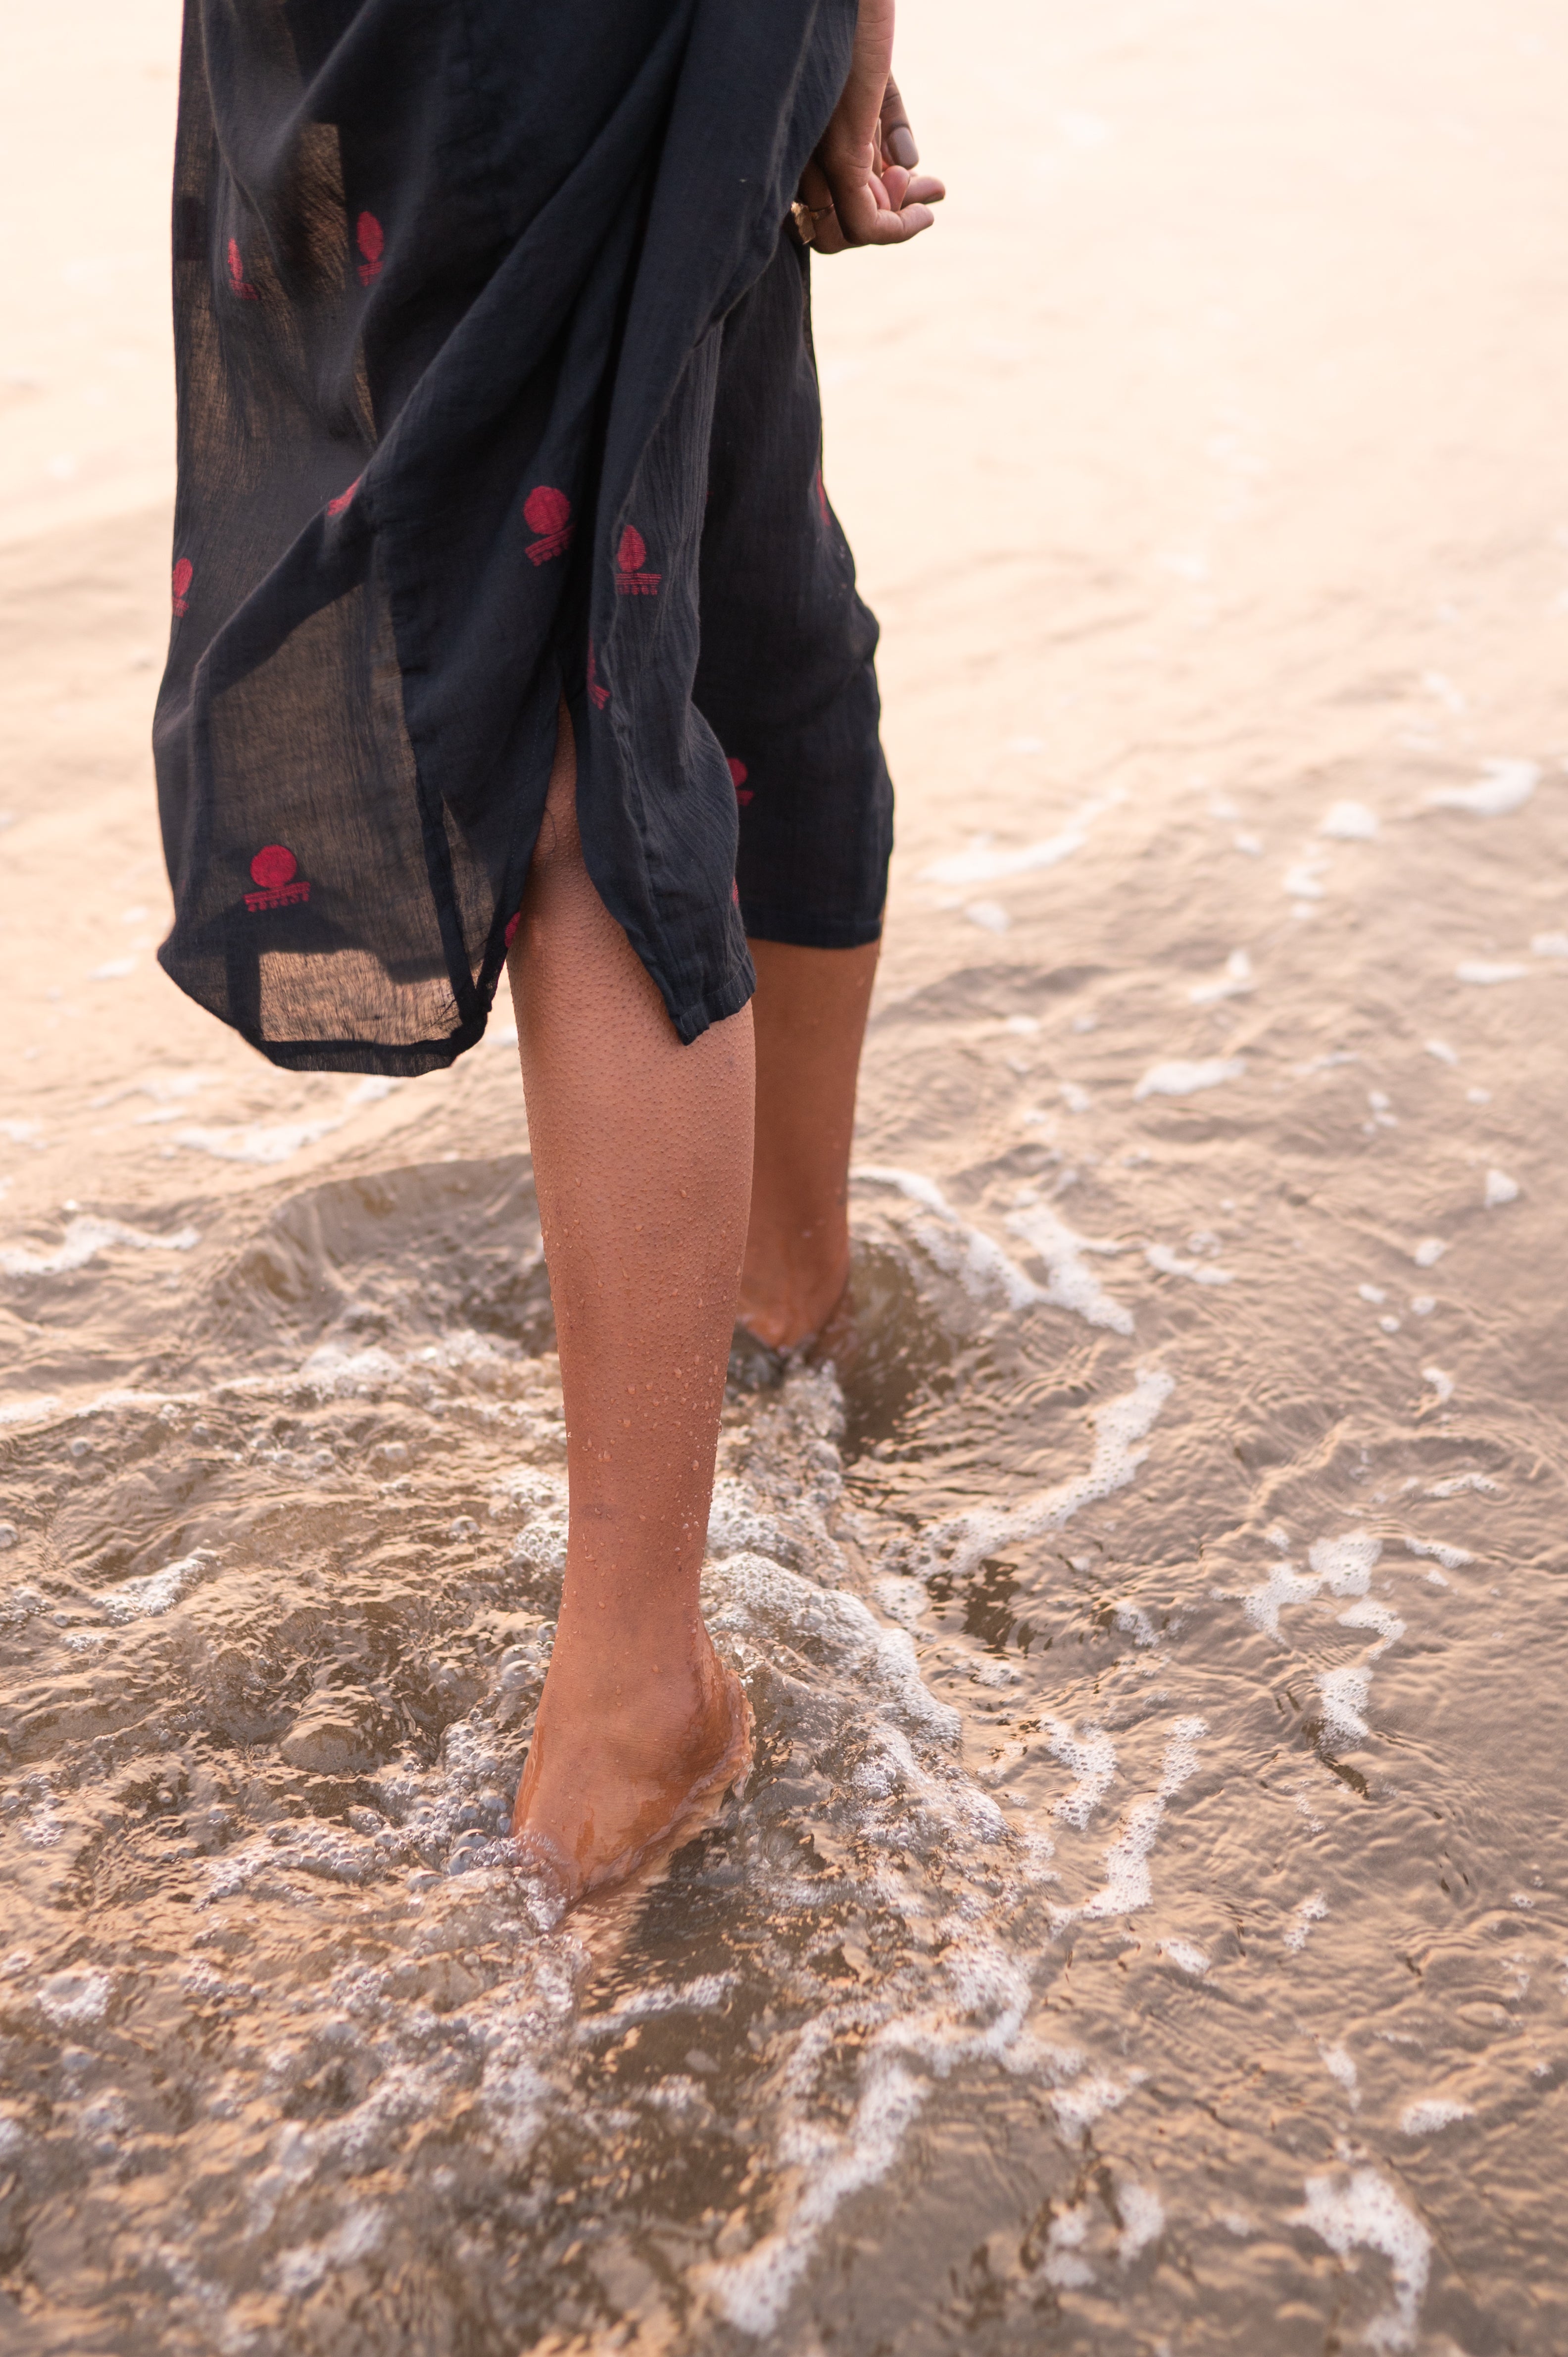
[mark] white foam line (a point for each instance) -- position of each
(1310, 1911)
(156, 1592)
(979, 1265)
(1343, 1694)
(982, 865)
(1345, 1567)
(1182, 1079)
(1437, 2112)
(982, 2016)
(33, 1411)
(1235, 982)
(699, 1996)
(1339, 2063)
(1092, 1759)
(1350, 823)
(963, 1541)
(165, 1087)
(259, 1144)
(764, 1594)
(106, 1403)
(753, 2292)
(1485, 971)
(1365, 2210)
(1171, 1264)
(1451, 1558)
(72, 1997)
(1502, 787)
(1455, 1485)
(1073, 1286)
(1127, 1887)
(1142, 2217)
(1369, 1614)
(1078, 2107)
(86, 1237)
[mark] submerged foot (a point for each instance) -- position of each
(793, 1309)
(616, 1777)
(774, 1340)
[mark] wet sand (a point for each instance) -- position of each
(1145, 1929)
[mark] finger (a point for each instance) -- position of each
(857, 120)
(827, 237)
(813, 189)
(898, 139)
(924, 189)
(898, 228)
(852, 192)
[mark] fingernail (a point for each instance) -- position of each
(901, 146)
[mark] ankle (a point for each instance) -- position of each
(626, 1726)
(637, 1675)
(786, 1298)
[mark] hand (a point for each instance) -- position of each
(861, 183)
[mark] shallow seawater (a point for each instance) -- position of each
(1146, 1930)
(1143, 1926)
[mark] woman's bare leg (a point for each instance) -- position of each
(643, 1162)
(810, 1020)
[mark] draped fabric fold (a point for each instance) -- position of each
(450, 285)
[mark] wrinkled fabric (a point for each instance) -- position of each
(453, 286)
(785, 675)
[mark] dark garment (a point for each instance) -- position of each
(488, 350)
(785, 677)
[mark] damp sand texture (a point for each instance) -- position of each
(1145, 1929)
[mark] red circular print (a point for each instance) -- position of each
(633, 549)
(738, 771)
(370, 237)
(547, 510)
(184, 573)
(273, 865)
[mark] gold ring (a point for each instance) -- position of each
(805, 217)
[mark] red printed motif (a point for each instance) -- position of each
(276, 870)
(184, 573)
(371, 238)
(236, 280)
(550, 512)
(822, 499)
(738, 771)
(337, 506)
(601, 695)
(631, 581)
(512, 923)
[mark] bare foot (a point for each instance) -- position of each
(785, 1307)
(618, 1772)
(833, 1334)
